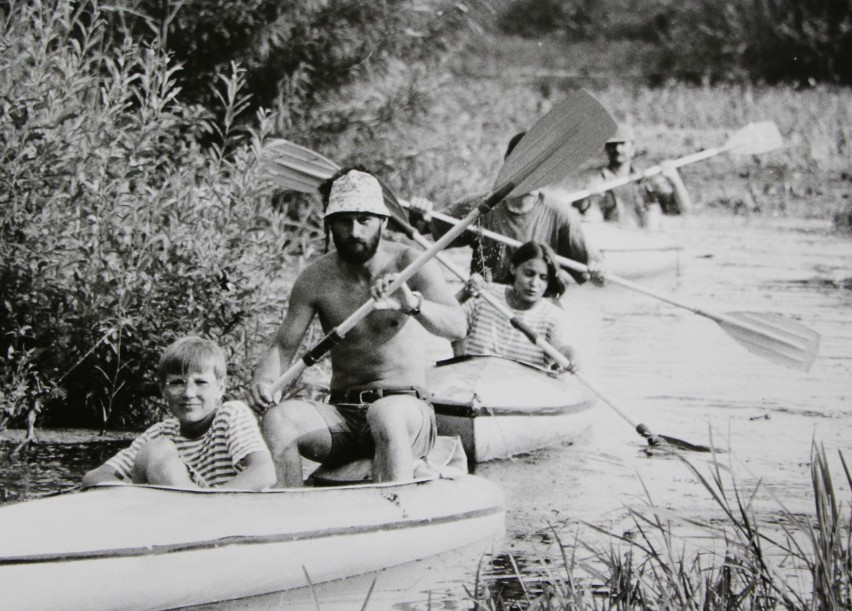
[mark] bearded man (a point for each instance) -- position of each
(377, 407)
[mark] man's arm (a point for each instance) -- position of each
(440, 312)
(675, 198)
(435, 308)
(284, 343)
(572, 243)
(258, 473)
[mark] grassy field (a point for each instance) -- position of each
(502, 86)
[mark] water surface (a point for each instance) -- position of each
(673, 370)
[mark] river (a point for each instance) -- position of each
(673, 370)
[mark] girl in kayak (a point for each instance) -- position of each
(533, 276)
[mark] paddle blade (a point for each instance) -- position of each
(574, 130)
(773, 337)
(295, 167)
(755, 138)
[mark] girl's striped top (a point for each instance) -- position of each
(489, 332)
(212, 459)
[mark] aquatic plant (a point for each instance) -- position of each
(672, 560)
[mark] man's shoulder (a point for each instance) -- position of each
(317, 271)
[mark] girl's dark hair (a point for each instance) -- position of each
(538, 250)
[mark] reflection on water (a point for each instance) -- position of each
(677, 372)
(48, 468)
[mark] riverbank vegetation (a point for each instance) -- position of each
(669, 560)
(134, 209)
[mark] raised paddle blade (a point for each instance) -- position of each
(573, 131)
(295, 167)
(773, 337)
(755, 139)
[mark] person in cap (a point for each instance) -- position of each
(637, 204)
(530, 217)
(377, 406)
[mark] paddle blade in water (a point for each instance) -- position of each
(773, 337)
(295, 167)
(574, 130)
(755, 138)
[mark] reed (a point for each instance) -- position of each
(669, 560)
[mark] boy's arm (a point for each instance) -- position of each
(284, 344)
(259, 473)
(101, 474)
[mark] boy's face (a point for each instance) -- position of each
(193, 396)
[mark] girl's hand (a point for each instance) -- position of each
(474, 284)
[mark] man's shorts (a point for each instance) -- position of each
(346, 417)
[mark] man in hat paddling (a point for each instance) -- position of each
(377, 407)
(638, 204)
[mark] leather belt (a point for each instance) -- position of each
(368, 395)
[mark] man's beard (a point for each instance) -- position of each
(354, 250)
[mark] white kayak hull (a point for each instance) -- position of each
(634, 253)
(143, 547)
(501, 408)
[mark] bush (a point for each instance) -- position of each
(119, 232)
(768, 41)
(295, 54)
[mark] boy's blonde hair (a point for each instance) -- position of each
(192, 353)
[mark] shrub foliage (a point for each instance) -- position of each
(133, 209)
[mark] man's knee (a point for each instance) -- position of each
(389, 418)
(287, 422)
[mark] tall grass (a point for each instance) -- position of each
(733, 563)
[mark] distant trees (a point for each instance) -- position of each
(770, 41)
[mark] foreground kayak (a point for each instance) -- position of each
(634, 253)
(500, 407)
(146, 547)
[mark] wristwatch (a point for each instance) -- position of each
(415, 311)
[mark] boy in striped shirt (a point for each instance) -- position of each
(207, 443)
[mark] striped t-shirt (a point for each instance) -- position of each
(489, 332)
(212, 459)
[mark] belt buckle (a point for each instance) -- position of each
(368, 395)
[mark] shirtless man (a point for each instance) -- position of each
(377, 407)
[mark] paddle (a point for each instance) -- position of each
(768, 335)
(753, 139)
(399, 218)
(560, 141)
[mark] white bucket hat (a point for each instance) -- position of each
(356, 191)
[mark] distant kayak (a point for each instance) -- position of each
(634, 253)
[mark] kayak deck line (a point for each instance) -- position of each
(473, 410)
(155, 550)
